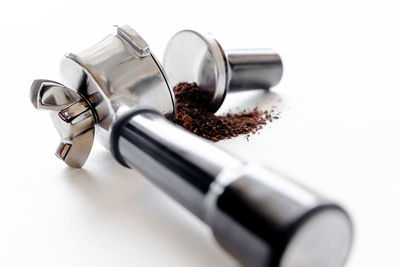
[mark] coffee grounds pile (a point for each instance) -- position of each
(192, 113)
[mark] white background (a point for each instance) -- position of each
(338, 133)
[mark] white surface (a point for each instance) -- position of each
(339, 131)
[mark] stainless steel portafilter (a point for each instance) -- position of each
(119, 91)
(191, 56)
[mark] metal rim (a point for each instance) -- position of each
(173, 58)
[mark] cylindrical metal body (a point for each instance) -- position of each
(115, 75)
(173, 159)
(253, 69)
(260, 217)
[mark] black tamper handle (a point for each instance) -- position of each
(260, 217)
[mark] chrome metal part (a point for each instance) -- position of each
(117, 74)
(260, 217)
(72, 117)
(191, 56)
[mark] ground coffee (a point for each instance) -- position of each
(192, 113)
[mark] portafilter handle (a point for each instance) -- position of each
(260, 217)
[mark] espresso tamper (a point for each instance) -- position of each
(119, 91)
(191, 56)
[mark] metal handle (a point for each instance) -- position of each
(258, 216)
(253, 69)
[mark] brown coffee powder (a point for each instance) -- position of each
(192, 114)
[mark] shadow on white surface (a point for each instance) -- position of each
(135, 212)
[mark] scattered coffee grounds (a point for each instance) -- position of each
(192, 113)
